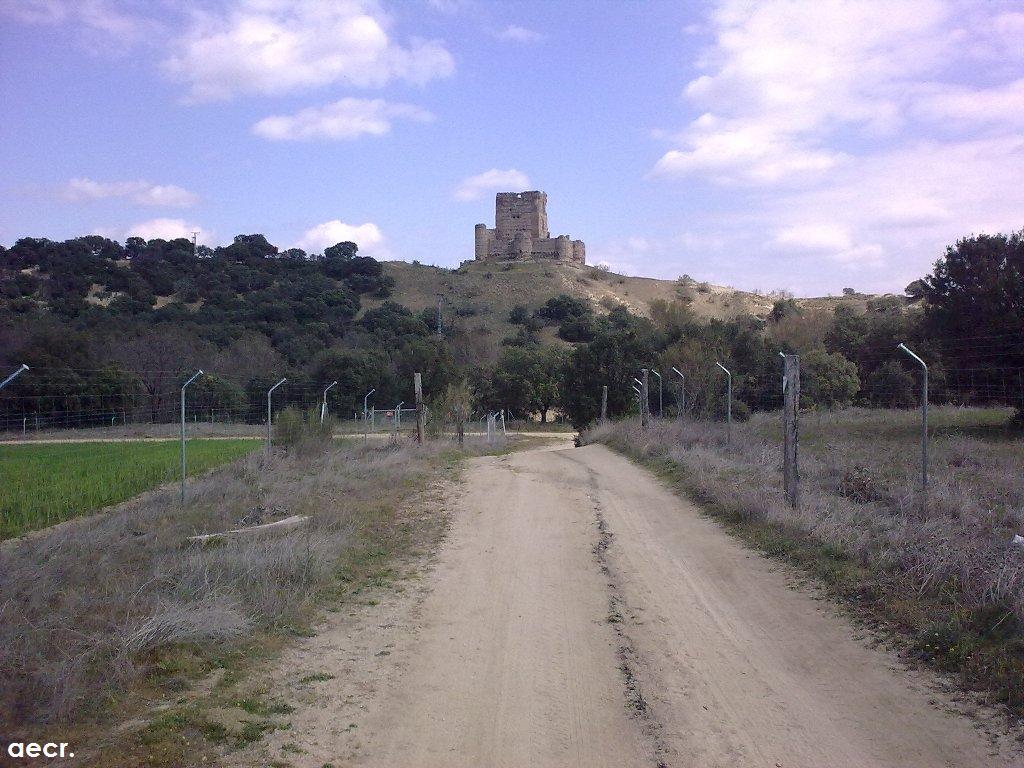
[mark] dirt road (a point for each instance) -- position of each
(579, 614)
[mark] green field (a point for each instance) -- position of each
(45, 484)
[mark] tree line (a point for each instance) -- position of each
(106, 326)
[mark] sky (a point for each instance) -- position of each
(801, 146)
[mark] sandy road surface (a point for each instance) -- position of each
(579, 614)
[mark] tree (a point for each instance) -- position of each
(558, 308)
(213, 393)
(848, 331)
(160, 357)
(622, 345)
(975, 307)
(782, 309)
(828, 379)
(340, 252)
(526, 380)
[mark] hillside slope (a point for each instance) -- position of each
(478, 296)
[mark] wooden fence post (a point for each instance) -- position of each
(418, 385)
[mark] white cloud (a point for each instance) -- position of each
(140, 192)
(1002, 104)
(97, 15)
(518, 34)
(494, 180)
(868, 135)
(783, 76)
(367, 236)
(744, 152)
(281, 46)
(347, 118)
(814, 237)
(168, 229)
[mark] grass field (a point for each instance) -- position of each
(41, 485)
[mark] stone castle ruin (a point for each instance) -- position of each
(521, 232)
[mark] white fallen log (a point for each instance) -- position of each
(287, 524)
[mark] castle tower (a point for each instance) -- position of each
(521, 232)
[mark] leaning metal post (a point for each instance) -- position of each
(323, 407)
(365, 425)
(269, 419)
(661, 405)
(21, 369)
(728, 406)
(681, 405)
(195, 376)
(924, 420)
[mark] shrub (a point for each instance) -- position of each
(293, 429)
(518, 315)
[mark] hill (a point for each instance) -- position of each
(479, 296)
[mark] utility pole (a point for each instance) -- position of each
(440, 299)
(680, 401)
(924, 423)
(323, 406)
(195, 376)
(604, 403)
(269, 416)
(791, 428)
(417, 382)
(661, 404)
(728, 406)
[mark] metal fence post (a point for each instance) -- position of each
(21, 369)
(323, 406)
(645, 405)
(604, 403)
(366, 425)
(269, 416)
(728, 405)
(195, 376)
(681, 400)
(417, 382)
(791, 434)
(924, 422)
(661, 405)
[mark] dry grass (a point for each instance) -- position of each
(97, 606)
(947, 574)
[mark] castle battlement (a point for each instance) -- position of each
(521, 232)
